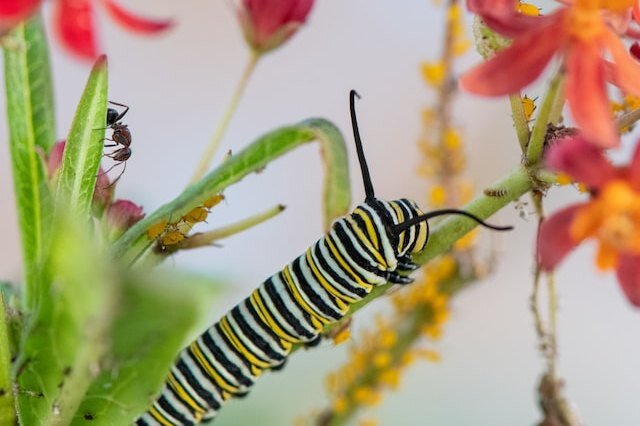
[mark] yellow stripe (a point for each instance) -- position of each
(326, 284)
(371, 229)
(400, 220)
(365, 241)
(316, 319)
(159, 417)
(184, 395)
(211, 371)
(237, 343)
(264, 314)
(346, 267)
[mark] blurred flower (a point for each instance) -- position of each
(269, 23)
(611, 215)
(122, 215)
(581, 32)
(14, 11)
(75, 24)
(103, 191)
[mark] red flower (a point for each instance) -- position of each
(75, 24)
(581, 34)
(14, 11)
(611, 215)
(269, 23)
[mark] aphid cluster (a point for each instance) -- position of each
(168, 235)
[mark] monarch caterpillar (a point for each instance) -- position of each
(371, 246)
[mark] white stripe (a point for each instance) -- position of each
(146, 417)
(177, 405)
(228, 377)
(387, 247)
(231, 356)
(337, 269)
(204, 381)
(290, 305)
(257, 328)
(317, 288)
(368, 277)
(185, 385)
(246, 341)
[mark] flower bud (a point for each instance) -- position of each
(269, 23)
(122, 215)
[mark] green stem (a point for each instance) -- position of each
(519, 120)
(549, 113)
(7, 404)
(208, 238)
(207, 156)
(553, 323)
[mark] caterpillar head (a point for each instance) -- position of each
(405, 224)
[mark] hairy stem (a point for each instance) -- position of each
(519, 120)
(207, 156)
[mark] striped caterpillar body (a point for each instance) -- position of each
(371, 246)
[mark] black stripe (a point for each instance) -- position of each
(204, 371)
(140, 422)
(347, 284)
(226, 363)
(265, 327)
(195, 385)
(310, 291)
(168, 408)
(177, 396)
(378, 269)
(255, 338)
(346, 242)
(269, 286)
(372, 218)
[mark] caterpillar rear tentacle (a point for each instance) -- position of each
(369, 247)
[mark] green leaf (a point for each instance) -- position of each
(68, 335)
(31, 134)
(7, 408)
(145, 343)
(252, 159)
(85, 143)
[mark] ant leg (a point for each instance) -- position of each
(123, 113)
(108, 170)
(119, 176)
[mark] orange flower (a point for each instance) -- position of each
(582, 34)
(611, 216)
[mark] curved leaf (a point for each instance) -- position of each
(253, 158)
(145, 342)
(85, 144)
(67, 336)
(31, 133)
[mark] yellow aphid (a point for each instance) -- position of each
(340, 405)
(467, 241)
(563, 179)
(452, 139)
(172, 238)
(529, 106)
(391, 378)
(342, 336)
(198, 214)
(155, 230)
(437, 196)
(366, 396)
(213, 201)
(381, 359)
(433, 73)
(528, 9)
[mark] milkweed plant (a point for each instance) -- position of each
(91, 332)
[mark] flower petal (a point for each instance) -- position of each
(626, 70)
(15, 10)
(74, 20)
(516, 66)
(554, 241)
(502, 17)
(587, 95)
(581, 160)
(133, 22)
(634, 168)
(628, 273)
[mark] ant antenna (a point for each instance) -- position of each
(401, 227)
(366, 177)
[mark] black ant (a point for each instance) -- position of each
(121, 137)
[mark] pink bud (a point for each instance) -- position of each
(122, 215)
(269, 23)
(103, 192)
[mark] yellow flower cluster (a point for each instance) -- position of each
(376, 362)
